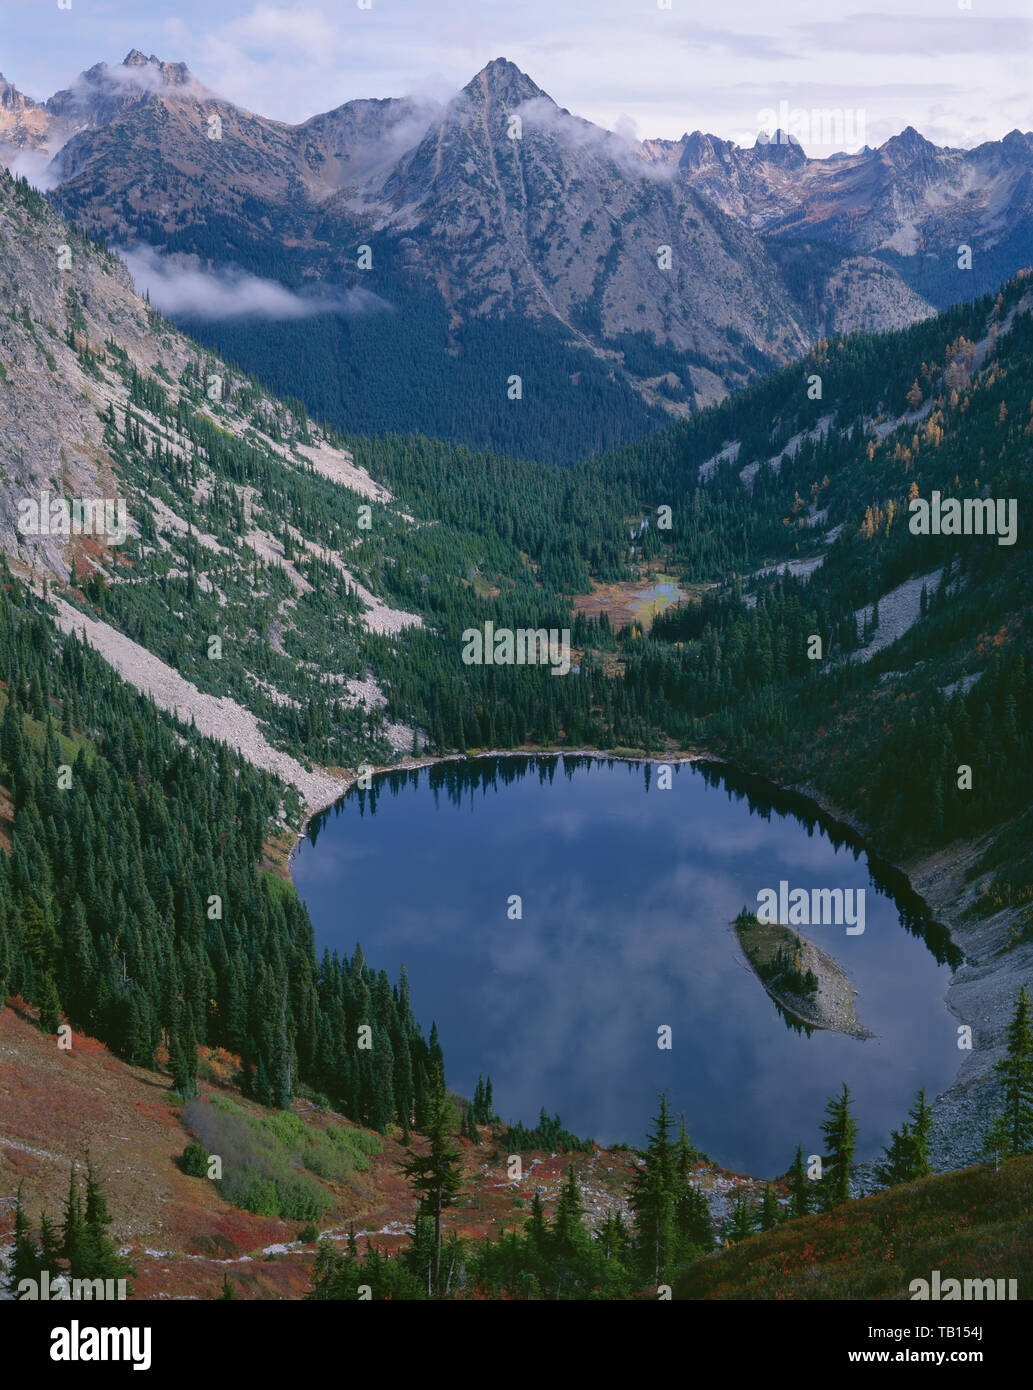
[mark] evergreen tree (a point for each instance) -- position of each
(100, 1258)
(535, 1225)
(840, 1133)
(921, 1117)
(800, 1195)
(49, 1005)
(1012, 1131)
(436, 1176)
(693, 1222)
(652, 1198)
(743, 1220)
(50, 1245)
(24, 1261)
(770, 1210)
(567, 1228)
(74, 1238)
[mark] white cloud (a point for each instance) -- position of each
(966, 72)
(179, 288)
(33, 165)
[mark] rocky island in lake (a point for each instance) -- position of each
(800, 977)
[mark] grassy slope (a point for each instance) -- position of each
(971, 1224)
(182, 1235)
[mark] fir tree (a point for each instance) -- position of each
(74, 1238)
(535, 1225)
(800, 1194)
(567, 1228)
(49, 1005)
(840, 1133)
(1012, 1131)
(100, 1259)
(652, 1198)
(50, 1245)
(743, 1220)
(770, 1210)
(24, 1261)
(436, 1176)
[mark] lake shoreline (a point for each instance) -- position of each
(348, 780)
(936, 880)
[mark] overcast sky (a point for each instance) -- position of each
(960, 75)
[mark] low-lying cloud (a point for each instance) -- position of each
(621, 146)
(33, 165)
(180, 288)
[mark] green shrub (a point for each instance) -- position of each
(194, 1160)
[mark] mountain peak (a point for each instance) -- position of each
(701, 149)
(171, 74)
(909, 143)
(782, 146)
(501, 80)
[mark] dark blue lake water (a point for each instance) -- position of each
(628, 893)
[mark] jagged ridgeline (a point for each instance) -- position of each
(132, 897)
(497, 237)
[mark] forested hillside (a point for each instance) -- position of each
(832, 648)
(133, 897)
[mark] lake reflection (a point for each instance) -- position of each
(628, 892)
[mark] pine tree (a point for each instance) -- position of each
(50, 1245)
(535, 1225)
(567, 1228)
(24, 1261)
(800, 1194)
(840, 1133)
(100, 1259)
(228, 1289)
(436, 1176)
(49, 1005)
(74, 1240)
(263, 1090)
(743, 1221)
(692, 1220)
(907, 1154)
(770, 1210)
(652, 1198)
(921, 1117)
(898, 1157)
(1012, 1131)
